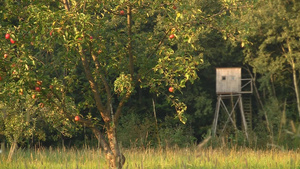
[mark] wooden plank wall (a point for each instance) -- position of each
(228, 80)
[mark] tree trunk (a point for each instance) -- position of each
(12, 150)
(114, 158)
(118, 159)
(261, 103)
(296, 88)
(3, 147)
(291, 61)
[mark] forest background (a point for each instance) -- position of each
(111, 64)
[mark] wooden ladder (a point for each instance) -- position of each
(247, 103)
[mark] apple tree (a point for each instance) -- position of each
(29, 94)
(105, 50)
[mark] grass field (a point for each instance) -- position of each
(174, 158)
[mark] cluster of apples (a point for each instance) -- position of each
(7, 36)
(12, 41)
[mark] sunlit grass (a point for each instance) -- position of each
(173, 158)
(212, 158)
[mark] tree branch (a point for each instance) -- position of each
(120, 106)
(159, 44)
(67, 6)
(107, 88)
(131, 68)
(93, 85)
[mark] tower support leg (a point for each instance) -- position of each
(217, 111)
(215, 122)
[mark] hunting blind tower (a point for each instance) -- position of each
(230, 85)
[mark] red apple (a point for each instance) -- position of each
(91, 37)
(174, 7)
(12, 41)
(51, 32)
(51, 87)
(7, 36)
(77, 118)
(172, 36)
(5, 55)
(37, 88)
(33, 96)
(122, 12)
(0, 78)
(171, 89)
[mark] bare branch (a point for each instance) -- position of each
(159, 44)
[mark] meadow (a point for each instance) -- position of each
(170, 158)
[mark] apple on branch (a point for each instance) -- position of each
(171, 89)
(172, 36)
(7, 36)
(37, 88)
(12, 41)
(77, 118)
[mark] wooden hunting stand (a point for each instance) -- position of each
(230, 85)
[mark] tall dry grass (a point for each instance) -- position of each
(169, 158)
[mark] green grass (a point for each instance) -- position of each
(153, 159)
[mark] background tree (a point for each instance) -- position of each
(66, 38)
(266, 42)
